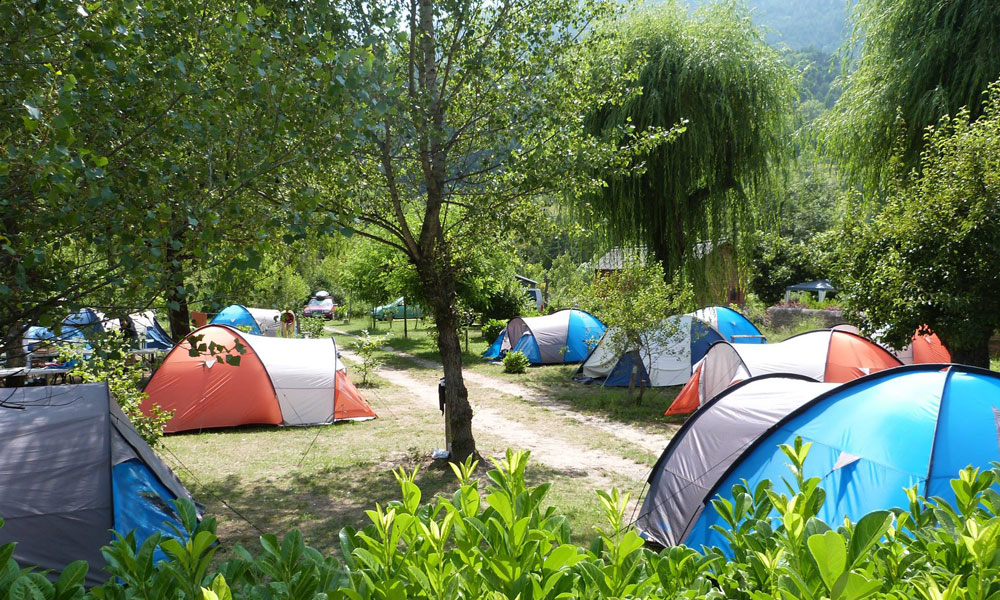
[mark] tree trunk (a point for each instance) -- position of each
(976, 354)
(16, 358)
(177, 306)
(457, 408)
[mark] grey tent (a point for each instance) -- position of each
(72, 469)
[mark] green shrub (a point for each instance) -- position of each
(314, 327)
(515, 362)
(496, 538)
(492, 329)
(111, 360)
(366, 346)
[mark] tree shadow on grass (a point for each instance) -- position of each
(321, 502)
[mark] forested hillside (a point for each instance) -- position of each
(800, 23)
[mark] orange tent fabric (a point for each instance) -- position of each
(927, 348)
(687, 400)
(278, 381)
(847, 351)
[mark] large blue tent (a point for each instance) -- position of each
(871, 439)
(565, 336)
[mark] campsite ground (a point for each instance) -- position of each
(320, 479)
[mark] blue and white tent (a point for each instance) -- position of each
(673, 350)
(151, 333)
(565, 336)
(872, 438)
(73, 471)
(261, 321)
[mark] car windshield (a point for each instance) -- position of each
(321, 303)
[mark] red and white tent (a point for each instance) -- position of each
(278, 381)
(828, 355)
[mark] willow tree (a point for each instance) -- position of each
(711, 73)
(474, 112)
(919, 60)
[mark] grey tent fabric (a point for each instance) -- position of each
(709, 443)
(57, 452)
(549, 331)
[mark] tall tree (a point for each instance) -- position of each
(929, 259)
(712, 72)
(137, 136)
(919, 60)
(474, 111)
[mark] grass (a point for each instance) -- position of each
(321, 479)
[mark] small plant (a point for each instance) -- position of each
(492, 329)
(312, 326)
(515, 362)
(111, 360)
(366, 346)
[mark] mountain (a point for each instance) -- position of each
(799, 24)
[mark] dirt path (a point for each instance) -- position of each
(546, 447)
(652, 442)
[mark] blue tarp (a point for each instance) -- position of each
(237, 315)
(875, 437)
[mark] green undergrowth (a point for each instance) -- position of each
(500, 538)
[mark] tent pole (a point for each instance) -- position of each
(404, 318)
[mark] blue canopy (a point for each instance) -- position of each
(237, 315)
(871, 439)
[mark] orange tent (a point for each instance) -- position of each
(924, 348)
(278, 381)
(831, 355)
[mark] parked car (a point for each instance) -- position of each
(395, 309)
(535, 295)
(320, 307)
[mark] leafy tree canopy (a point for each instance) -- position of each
(930, 258)
(919, 61)
(711, 73)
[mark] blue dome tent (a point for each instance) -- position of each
(667, 359)
(261, 321)
(565, 336)
(871, 438)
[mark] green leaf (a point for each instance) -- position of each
(852, 586)
(233, 360)
(829, 551)
(866, 533)
(33, 110)
(242, 19)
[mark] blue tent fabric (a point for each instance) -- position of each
(872, 438)
(702, 338)
(732, 324)
(236, 315)
(528, 346)
(493, 352)
(157, 337)
(621, 374)
(141, 502)
(584, 332)
(85, 321)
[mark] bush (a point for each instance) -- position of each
(492, 329)
(366, 346)
(515, 362)
(458, 546)
(111, 360)
(313, 327)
